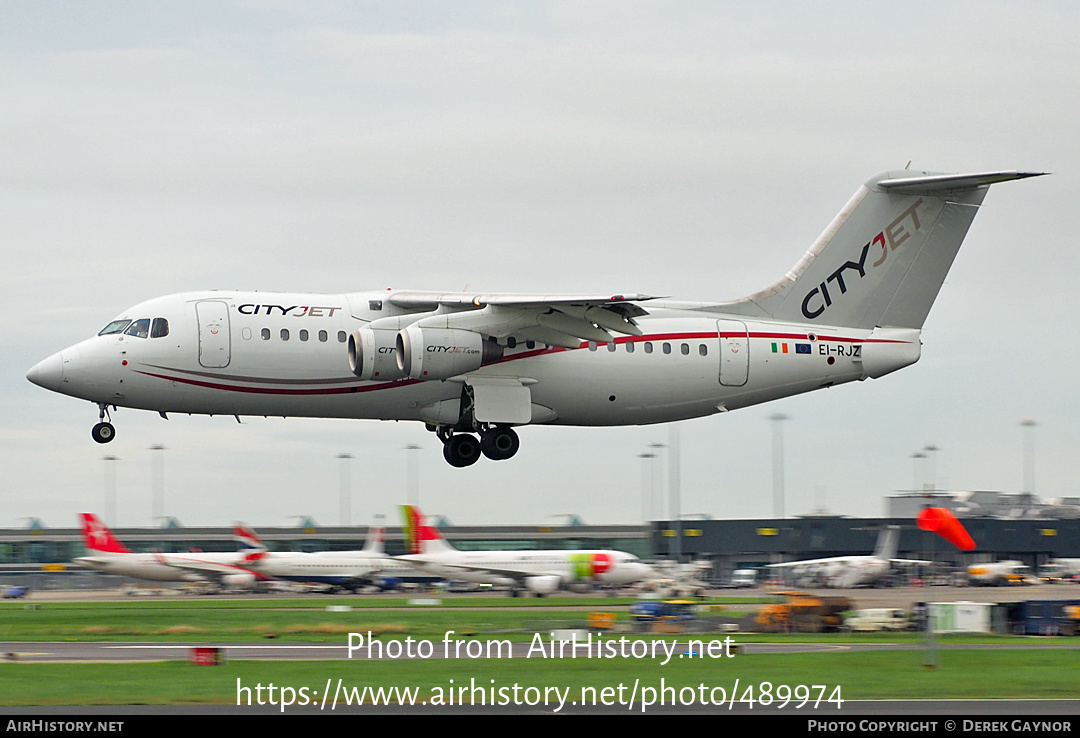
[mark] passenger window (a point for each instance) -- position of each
(140, 328)
(511, 342)
(322, 336)
(685, 348)
(303, 335)
(160, 328)
(284, 334)
(667, 348)
(265, 334)
(341, 337)
(611, 346)
(592, 345)
(648, 347)
(703, 349)
(117, 326)
(530, 344)
(629, 347)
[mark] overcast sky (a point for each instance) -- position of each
(693, 149)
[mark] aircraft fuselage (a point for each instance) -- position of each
(249, 353)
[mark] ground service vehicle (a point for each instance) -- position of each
(877, 619)
(804, 613)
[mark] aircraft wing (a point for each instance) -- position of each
(556, 320)
(805, 562)
(210, 567)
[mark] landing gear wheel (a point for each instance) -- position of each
(461, 450)
(500, 443)
(103, 432)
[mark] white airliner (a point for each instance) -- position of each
(107, 554)
(539, 572)
(474, 366)
(851, 571)
(344, 569)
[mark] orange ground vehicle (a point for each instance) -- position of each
(804, 612)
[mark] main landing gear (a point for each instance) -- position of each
(104, 431)
(463, 449)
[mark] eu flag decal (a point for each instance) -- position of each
(802, 348)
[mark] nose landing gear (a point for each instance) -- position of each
(104, 431)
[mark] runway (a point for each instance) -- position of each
(125, 652)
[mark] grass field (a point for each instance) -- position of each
(1003, 673)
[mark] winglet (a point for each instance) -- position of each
(98, 537)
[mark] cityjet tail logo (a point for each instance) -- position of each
(889, 239)
(295, 311)
(452, 350)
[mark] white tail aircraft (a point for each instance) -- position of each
(343, 569)
(851, 571)
(106, 554)
(475, 366)
(539, 572)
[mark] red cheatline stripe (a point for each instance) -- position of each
(354, 389)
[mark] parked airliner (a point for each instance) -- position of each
(341, 569)
(106, 554)
(474, 366)
(539, 572)
(852, 571)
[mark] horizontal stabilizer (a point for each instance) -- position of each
(946, 182)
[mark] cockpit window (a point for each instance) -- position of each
(140, 328)
(159, 328)
(117, 326)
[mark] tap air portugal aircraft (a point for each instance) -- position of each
(852, 571)
(106, 554)
(474, 366)
(539, 572)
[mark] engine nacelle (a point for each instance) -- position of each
(239, 581)
(372, 354)
(544, 584)
(441, 353)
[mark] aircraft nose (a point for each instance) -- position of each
(48, 373)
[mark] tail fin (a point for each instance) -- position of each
(421, 538)
(98, 537)
(883, 259)
(247, 539)
(375, 540)
(888, 542)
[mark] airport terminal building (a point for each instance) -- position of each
(41, 556)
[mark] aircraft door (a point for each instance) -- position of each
(734, 352)
(214, 348)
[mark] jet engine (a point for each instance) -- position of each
(239, 581)
(441, 353)
(372, 354)
(544, 584)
